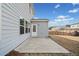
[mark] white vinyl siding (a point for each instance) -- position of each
(10, 18)
(75, 26)
(0, 22)
(42, 28)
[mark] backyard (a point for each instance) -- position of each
(71, 43)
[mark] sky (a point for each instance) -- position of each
(58, 14)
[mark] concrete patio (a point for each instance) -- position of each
(40, 45)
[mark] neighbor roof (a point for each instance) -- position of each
(75, 23)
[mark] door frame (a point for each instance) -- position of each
(34, 34)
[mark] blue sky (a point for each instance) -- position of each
(58, 14)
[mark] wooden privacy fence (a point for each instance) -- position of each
(58, 33)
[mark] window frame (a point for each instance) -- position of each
(26, 27)
(22, 25)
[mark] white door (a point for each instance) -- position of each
(34, 30)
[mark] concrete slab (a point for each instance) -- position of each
(40, 45)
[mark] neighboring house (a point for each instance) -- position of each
(39, 28)
(70, 28)
(76, 25)
(15, 20)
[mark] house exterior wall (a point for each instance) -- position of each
(10, 27)
(75, 26)
(42, 28)
(0, 21)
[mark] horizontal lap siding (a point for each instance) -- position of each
(10, 15)
(0, 22)
(42, 28)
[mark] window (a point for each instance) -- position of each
(26, 27)
(29, 29)
(26, 30)
(34, 28)
(21, 30)
(21, 26)
(22, 22)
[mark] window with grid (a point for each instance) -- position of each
(26, 30)
(27, 27)
(21, 26)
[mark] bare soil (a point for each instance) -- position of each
(71, 43)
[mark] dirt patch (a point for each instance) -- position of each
(69, 44)
(15, 53)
